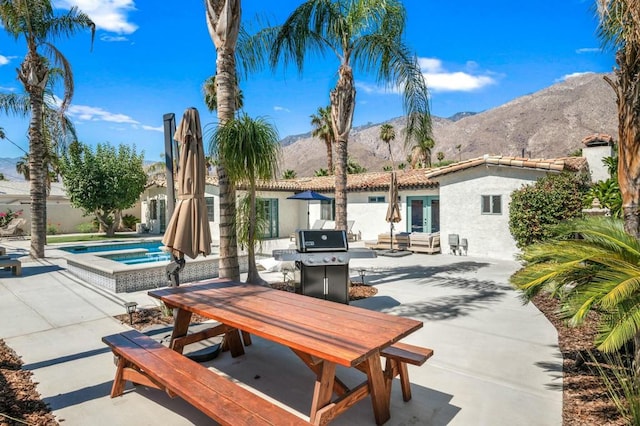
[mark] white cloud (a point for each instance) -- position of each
(575, 74)
(281, 108)
(589, 50)
(8, 89)
(108, 15)
(4, 60)
(154, 129)
(89, 113)
(109, 38)
(440, 79)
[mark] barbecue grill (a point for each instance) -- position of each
(322, 256)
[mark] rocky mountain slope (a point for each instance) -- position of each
(546, 124)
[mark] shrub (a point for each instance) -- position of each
(53, 229)
(129, 221)
(87, 227)
(8, 216)
(535, 209)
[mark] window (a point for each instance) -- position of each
(492, 204)
(328, 209)
(377, 199)
(153, 209)
(270, 209)
(209, 202)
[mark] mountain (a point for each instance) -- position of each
(546, 124)
(8, 168)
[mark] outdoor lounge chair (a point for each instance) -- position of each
(423, 242)
(352, 236)
(13, 228)
(318, 224)
(400, 242)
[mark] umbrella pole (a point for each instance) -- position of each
(391, 234)
(173, 270)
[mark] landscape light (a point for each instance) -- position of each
(131, 308)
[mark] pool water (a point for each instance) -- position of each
(137, 252)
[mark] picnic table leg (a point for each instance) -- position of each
(180, 328)
(323, 389)
(233, 342)
(378, 389)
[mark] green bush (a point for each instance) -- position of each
(87, 227)
(129, 221)
(535, 209)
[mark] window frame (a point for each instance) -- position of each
(494, 200)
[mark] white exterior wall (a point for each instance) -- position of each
(594, 156)
(461, 210)
(60, 214)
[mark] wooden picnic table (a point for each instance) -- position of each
(323, 334)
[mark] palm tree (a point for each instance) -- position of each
(321, 122)
(362, 34)
(289, 174)
(387, 134)
(620, 28)
(421, 152)
(223, 21)
(57, 129)
(36, 23)
(598, 271)
(248, 150)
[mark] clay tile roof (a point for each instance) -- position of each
(558, 164)
(598, 139)
(407, 179)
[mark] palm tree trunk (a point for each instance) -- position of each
(627, 91)
(228, 265)
(329, 156)
(253, 277)
(343, 99)
(33, 74)
(223, 20)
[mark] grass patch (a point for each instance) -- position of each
(87, 237)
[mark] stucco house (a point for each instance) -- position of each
(469, 199)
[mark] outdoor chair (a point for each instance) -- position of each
(352, 236)
(318, 224)
(13, 228)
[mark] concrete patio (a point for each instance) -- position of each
(496, 361)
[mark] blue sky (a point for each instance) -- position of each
(151, 57)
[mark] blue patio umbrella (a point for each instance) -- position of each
(308, 196)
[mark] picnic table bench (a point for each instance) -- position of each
(398, 356)
(144, 361)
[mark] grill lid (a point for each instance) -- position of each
(321, 240)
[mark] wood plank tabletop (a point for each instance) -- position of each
(336, 332)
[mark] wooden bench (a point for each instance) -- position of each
(144, 361)
(13, 264)
(398, 356)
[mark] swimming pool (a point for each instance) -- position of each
(134, 265)
(129, 253)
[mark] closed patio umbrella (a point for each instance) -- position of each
(393, 211)
(308, 196)
(188, 230)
